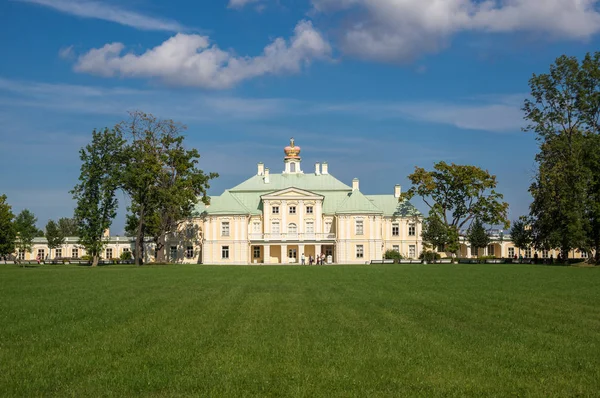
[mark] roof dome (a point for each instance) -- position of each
(292, 151)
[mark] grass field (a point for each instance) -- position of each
(402, 330)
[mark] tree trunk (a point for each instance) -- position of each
(95, 259)
(160, 249)
(139, 240)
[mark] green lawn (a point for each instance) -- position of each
(402, 330)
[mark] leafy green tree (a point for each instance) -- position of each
(458, 194)
(26, 230)
(67, 226)
(8, 232)
(477, 235)
(435, 233)
(392, 255)
(161, 178)
(520, 235)
(54, 235)
(563, 110)
(99, 180)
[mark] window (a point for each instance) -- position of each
(189, 252)
(395, 229)
(511, 252)
(292, 229)
(292, 253)
(327, 227)
(173, 253)
(275, 209)
(75, 252)
(583, 254)
(21, 255)
(309, 210)
(359, 227)
(360, 251)
(545, 253)
(491, 250)
(474, 251)
(109, 253)
(310, 227)
(528, 252)
(412, 230)
(58, 253)
(256, 251)
(256, 227)
(275, 227)
(225, 228)
(292, 209)
(41, 253)
(293, 167)
(225, 252)
(396, 248)
(412, 251)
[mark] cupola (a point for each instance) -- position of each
(292, 158)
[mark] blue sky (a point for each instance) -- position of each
(373, 87)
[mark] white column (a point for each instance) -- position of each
(266, 217)
(284, 211)
(267, 254)
(317, 250)
(300, 252)
(301, 215)
(318, 218)
(284, 254)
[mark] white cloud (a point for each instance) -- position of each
(495, 113)
(190, 60)
(399, 30)
(241, 3)
(108, 12)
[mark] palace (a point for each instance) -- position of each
(275, 218)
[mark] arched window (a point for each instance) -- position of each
(293, 167)
(292, 229)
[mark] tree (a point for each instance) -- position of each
(161, 179)
(8, 233)
(392, 255)
(477, 235)
(99, 180)
(54, 235)
(458, 194)
(67, 226)
(520, 235)
(564, 110)
(26, 230)
(435, 233)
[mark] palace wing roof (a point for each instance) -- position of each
(338, 197)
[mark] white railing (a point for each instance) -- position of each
(293, 236)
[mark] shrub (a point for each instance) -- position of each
(429, 256)
(125, 256)
(392, 255)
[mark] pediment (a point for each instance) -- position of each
(292, 193)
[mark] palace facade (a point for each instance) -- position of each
(275, 218)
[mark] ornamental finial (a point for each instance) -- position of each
(292, 142)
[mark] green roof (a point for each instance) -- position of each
(356, 202)
(391, 207)
(308, 182)
(339, 198)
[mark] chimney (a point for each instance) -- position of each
(355, 185)
(317, 169)
(324, 169)
(397, 191)
(261, 169)
(266, 176)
